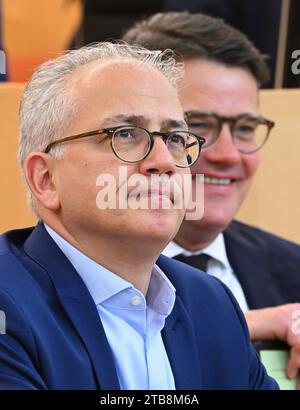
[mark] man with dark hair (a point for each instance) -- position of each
(259, 20)
(219, 92)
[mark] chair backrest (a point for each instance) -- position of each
(273, 202)
(14, 211)
(35, 31)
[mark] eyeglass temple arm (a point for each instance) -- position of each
(75, 137)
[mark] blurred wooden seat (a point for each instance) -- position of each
(14, 210)
(35, 31)
(274, 199)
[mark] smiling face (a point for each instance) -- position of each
(109, 96)
(226, 91)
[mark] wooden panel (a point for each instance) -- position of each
(14, 210)
(274, 200)
(32, 27)
(35, 31)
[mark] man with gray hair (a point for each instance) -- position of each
(88, 301)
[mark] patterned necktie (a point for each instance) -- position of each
(197, 261)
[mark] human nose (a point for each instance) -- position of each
(159, 161)
(223, 149)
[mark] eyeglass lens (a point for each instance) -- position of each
(133, 144)
(249, 134)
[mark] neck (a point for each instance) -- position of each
(195, 238)
(130, 259)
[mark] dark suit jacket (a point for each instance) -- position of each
(267, 266)
(55, 340)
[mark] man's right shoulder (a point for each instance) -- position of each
(16, 275)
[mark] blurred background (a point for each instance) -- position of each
(32, 31)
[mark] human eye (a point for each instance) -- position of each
(126, 134)
(129, 136)
(178, 139)
(203, 126)
(200, 124)
(245, 129)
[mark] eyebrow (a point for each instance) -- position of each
(124, 119)
(179, 124)
(141, 120)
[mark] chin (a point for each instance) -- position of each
(217, 225)
(161, 227)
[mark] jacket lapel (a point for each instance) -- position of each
(179, 340)
(77, 303)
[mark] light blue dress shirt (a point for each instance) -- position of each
(132, 323)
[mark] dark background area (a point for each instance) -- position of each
(109, 19)
(291, 80)
(258, 19)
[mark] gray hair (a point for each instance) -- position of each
(47, 107)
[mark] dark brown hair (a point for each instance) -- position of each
(199, 36)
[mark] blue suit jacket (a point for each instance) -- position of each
(55, 340)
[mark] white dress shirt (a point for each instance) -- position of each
(218, 266)
(132, 323)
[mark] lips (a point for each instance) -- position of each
(152, 193)
(175, 189)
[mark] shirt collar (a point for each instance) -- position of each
(161, 292)
(216, 250)
(104, 284)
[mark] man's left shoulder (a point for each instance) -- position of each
(253, 236)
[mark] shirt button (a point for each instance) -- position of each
(136, 300)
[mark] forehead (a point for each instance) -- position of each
(117, 87)
(215, 87)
